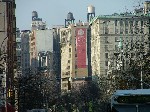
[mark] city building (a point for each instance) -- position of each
(56, 49)
(8, 43)
(18, 53)
(37, 23)
(25, 52)
(44, 50)
(18, 71)
(3, 43)
(110, 35)
(45, 61)
(74, 55)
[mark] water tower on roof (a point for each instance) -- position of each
(70, 19)
(146, 7)
(90, 13)
(34, 15)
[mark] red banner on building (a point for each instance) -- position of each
(81, 47)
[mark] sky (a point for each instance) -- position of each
(54, 12)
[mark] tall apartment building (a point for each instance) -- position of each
(18, 52)
(3, 49)
(25, 52)
(44, 49)
(18, 71)
(37, 23)
(110, 32)
(8, 41)
(74, 54)
(56, 50)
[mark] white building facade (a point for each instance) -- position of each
(41, 44)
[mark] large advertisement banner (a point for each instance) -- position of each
(81, 47)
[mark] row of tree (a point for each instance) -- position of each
(43, 91)
(130, 70)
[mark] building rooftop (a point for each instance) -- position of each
(121, 15)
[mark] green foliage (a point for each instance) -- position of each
(135, 60)
(86, 97)
(37, 91)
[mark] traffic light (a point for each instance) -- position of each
(69, 85)
(10, 93)
(0, 82)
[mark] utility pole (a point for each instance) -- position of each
(141, 72)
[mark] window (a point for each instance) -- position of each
(136, 27)
(75, 55)
(19, 59)
(136, 23)
(68, 61)
(106, 71)
(64, 85)
(121, 27)
(106, 47)
(116, 23)
(132, 55)
(116, 31)
(142, 39)
(116, 48)
(141, 23)
(121, 23)
(18, 46)
(69, 49)
(131, 27)
(116, 27)
(127, 39)
(126, 27)
(68, 67)
(126, 23)
(133, 99)
(106, 29)
(106, 39)
(75, 73)
(116, 39)
(141, 27)
(75, 66)
(106, 63)
(69, 55)
(106, 55)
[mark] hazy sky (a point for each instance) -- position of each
(54, 12)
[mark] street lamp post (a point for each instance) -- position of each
(141, 72)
